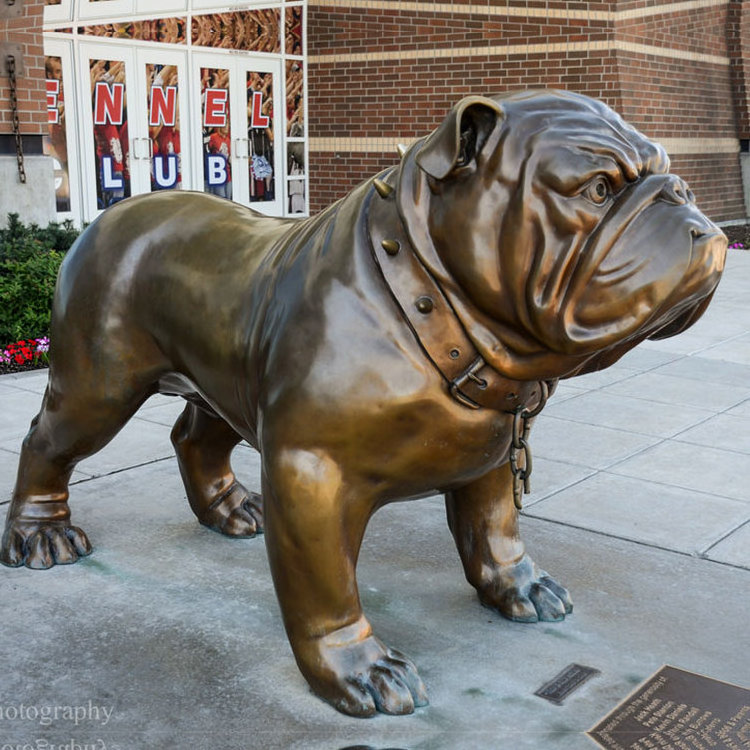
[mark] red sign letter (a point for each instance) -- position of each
(215, 112)
(259, 119)
(163, 106)
(108, 103)
(53, 89)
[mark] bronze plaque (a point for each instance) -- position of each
(678, 710)
(561, 686)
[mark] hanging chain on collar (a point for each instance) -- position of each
(10, 64)
(519, 443)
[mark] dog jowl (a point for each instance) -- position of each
(384, 348)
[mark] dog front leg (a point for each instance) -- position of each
(484, 522)
(315, 520)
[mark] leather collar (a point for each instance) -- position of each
(437, 328)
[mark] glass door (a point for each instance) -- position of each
(237, 105)
(60, 142)
(132, 136)
(109, 105)
(260, 182)
(162, 141)
(211, 118)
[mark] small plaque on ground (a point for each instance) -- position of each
(678, 710)
(570, 679)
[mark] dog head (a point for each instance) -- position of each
(557, 231)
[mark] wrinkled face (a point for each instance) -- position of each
(562, 224)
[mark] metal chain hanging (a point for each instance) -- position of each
(10, 64)
(521, 427)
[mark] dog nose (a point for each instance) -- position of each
(708, 244)
(676, 191)
(697, 232)
(706, 234)
(700, 226)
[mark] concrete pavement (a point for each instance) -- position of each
(641, 506)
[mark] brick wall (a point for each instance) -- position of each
(738, 35)
(716, 180)
(335, 174)
(683, 95)
(410, 97)
(380, 73)
(26, 30)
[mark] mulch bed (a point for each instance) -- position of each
(6, 369)
(738, 235)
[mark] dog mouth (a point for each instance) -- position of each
(707, 257)
(652, 261)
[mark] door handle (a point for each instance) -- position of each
(143, 148)
(241, 148)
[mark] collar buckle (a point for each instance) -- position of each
(470, 374)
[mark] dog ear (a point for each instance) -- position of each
(460, 137)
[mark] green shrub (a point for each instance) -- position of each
(30, 257)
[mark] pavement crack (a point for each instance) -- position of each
(640, 542)
(120, 471)
(724, 536)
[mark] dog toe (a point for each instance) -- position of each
(548, 606)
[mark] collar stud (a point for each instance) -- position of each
(383, 188)
(425, 305)
(391, 246)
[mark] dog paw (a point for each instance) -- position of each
(366, 677)
(390, 685)
(236, 513)
(523, 593)
(42, 545)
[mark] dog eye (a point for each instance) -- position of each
(598, 190)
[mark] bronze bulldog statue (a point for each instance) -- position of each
(397, 343)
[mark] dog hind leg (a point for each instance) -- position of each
(203, 442)
(81, 412)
